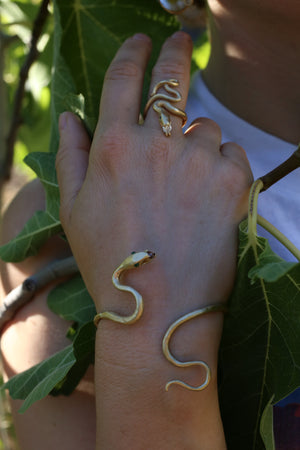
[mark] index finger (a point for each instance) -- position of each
(123, 84)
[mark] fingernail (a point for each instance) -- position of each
(181, 35)
(141, 37)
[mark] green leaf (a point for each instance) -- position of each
(35, 233)
(260, 354)
(58, 374)
(87, 36)
(270, 267)
(20, 20)
(72, 301)
(43, 164)
(84, 343)
(37, 382)
(76, 104)
(43, 224)
(266, 426)
(84, 350)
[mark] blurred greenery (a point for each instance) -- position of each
(76, 72)
(7, 432)
(16, 19)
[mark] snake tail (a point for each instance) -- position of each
(166, 351)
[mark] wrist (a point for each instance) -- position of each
(141, 343)
(131, 373)
(165, 301)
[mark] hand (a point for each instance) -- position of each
(133, 188)
(181, 197)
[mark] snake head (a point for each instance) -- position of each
(140, 258)
(136, 259)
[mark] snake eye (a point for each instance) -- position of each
(150, 254)
(133, 253)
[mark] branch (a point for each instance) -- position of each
(23, 293)
(33, 53)
(292, 163)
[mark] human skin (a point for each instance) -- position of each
(254, 68)
(34, 334)
(161, 227)
(254, 71)
(268, 87)
(265, 93)
(181, 197)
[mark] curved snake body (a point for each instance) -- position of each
(136, 260)
(161, 104)
(132, 261)
(174, 361)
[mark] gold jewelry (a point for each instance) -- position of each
(175, 6)
(166, 351)
(161, 104)
(132, 261)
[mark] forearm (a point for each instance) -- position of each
(133, 408)
(182, 197)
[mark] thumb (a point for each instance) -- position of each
(71, 160)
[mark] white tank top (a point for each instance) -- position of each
(280, 205)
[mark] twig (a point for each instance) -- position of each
(23, 293)
(292, 163)
(33, 53)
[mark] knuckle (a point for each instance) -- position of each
(159, 152)
(210, 127)
(237, 167)
(198, 166)
(170, 69)
(236, 179)
(123, 70)
(205, 131)
(113, 149)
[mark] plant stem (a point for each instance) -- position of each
(23, 293)
(292, 163)
(279, 236)
(252, 207)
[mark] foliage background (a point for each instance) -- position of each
(16, 22)
(263, 315)
(16, 19)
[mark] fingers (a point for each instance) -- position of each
(205, 134)
(173, 63)
(238, 156)
(122, 88)
(71, 160)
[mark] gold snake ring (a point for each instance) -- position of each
(174, 361)
(161, 104)
(132, 261)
